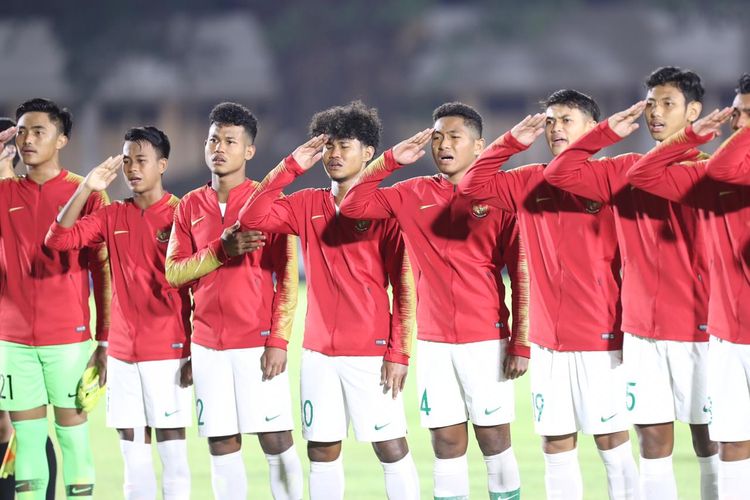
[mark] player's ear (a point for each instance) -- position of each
(369, 152)
(249, 151)
(163, 164)
(694, 109)
(478, 146)
(62, 140)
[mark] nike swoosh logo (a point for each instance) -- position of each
(316, 217)
(170, 413)
(607, 419)
(378, 427)
(724, 193)
(71, 395)
(428, 206)
(268, 419)
(80, 490)
(545, 198)
(487, 411)
(13, 209)
(120, 232)
(196, 221)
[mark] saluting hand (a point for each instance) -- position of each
(412, 149)
(236, 242)
(7, 151)
(527, 130)
(103, 174)
(623, 123)
(309, 153)
(711, 123)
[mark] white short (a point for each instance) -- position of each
(575, 391)
(460, 382)
(729, 391)
(147, 393)
(231, 396)
(336, 390)
(667, 380)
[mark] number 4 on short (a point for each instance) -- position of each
(423, 405)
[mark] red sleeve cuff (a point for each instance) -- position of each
(102, 335)
(291, 164)
(510, 141)
(608, 132)
(390, 162)
(396, 357)
(519, 350)
(218, 249)
(277, 342)
(693, 137)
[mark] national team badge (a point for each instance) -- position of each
(162, 236)
(362, 225)
(592, 207)
(479, 210)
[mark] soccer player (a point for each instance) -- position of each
(149, 342)
(665, 281)
(241, 324)
(356, 352)
(45, 341)
(720, 187)
(466, 363)
(577, 382)
(8, 162)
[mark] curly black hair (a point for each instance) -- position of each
(687, 81)
(353, 121)
(471, 116)
(231, 113)
(61, 117)
(573, 99)
(153, 136)
(743, 87)
(5, 124)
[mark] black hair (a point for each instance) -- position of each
(743, 86)
(353, 121)
(61, 117)
(231, 113)
(687, 81)
(471, 116)
(153, 136)
(5, 124)
(573, 99)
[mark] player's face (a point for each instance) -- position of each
(740, 111)
(344, 159)
(142, 166)
(454, 145)
(38, 139)
(667, 112)
(564, 126)
(227, 149)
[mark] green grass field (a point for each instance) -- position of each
(364, 480)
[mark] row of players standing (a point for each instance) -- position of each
(459, 244)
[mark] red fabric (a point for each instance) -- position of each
(154, 317)
(348, 263)
(44, 294)
(665, 270)
(459, 249)
(571, 247)
(727, 223)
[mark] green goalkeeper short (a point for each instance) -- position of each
(33, 376)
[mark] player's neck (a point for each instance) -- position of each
(145, 200)
(225, 183)
(339, 189)
(455, 177)
(44, 171)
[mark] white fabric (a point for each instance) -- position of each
(729, 390)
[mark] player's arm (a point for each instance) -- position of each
(266, 210)
(365, 200)
(597, 180)
(403, 318)
(659, 171)
(70, 231)
(517, 360)
(731, 162)
(284, 255)
(485, 182)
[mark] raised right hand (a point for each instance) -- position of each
(103, 174)
(309, 153)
